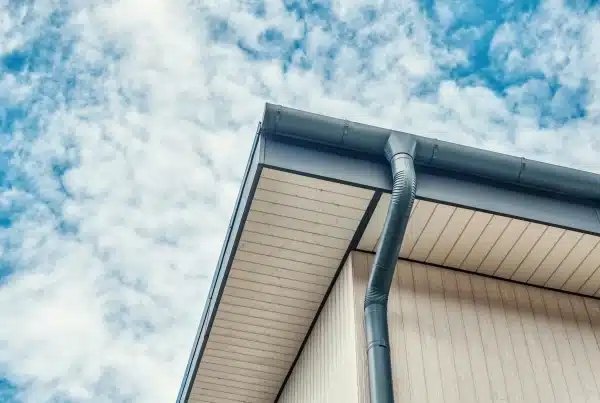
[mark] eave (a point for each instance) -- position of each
(456, 203)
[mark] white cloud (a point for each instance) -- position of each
(159, 134)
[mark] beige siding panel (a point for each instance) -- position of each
(443, 337)
(469, 236)
(493, 354)
(411, 223)
(262, 326)
(261, 256)
(308, 205)
(515, 381)
(313, 291)
(250, 338)
(573, 259)
(250, 382)
(292, 243)
(288, 254)
(458, 337)
(429, 344)
(585, 278)
(280, 303)
(326, 369)
(302, 298)
(516, 331)
(311, 193)
(361, 264)
(544, 324)
(539, 364)
(230, 396)
(230, 298)
(226, 385)
(333, 255)
(318, 184)
(417, 223)
(332, 233)
(279, 272)
(539, 247)
(303, 214)
(264, 314)
(585, 329)
(438, 221)
(485, 243)
(520, 250)
(465, 375)
(310, 237)
(254, 347)
(550, 251)
(458, 222)
(228, 370)
(244, 360)
(503, 246)
(477, 355)
(373, 230)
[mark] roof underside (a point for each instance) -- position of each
(295, 236)
(316, 188)
(297, 232)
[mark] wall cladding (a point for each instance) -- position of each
(327, 370)
(459, 337)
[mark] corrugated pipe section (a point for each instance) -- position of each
(399, 151)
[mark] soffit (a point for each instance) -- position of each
(495, 245)
(295, 236)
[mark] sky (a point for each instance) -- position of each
(125, 127)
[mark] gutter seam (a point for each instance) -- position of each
(345, 131)
(521, 169)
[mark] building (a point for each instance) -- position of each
(494, 297)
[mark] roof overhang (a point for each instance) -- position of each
(316, 188)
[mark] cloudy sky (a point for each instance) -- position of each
(125, 126)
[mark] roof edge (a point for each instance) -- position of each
(523, 172)
(232, 237)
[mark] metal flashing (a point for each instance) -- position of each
(500, 168)
(232, 238)
(457, 189)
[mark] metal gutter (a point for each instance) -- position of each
(437, 154)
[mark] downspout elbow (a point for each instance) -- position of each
(399, 151)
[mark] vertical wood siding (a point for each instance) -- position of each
(327, 369)
(465, 338)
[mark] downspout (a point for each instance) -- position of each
(399, 151)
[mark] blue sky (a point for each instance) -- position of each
(125, 129)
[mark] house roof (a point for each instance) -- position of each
(316, 188)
